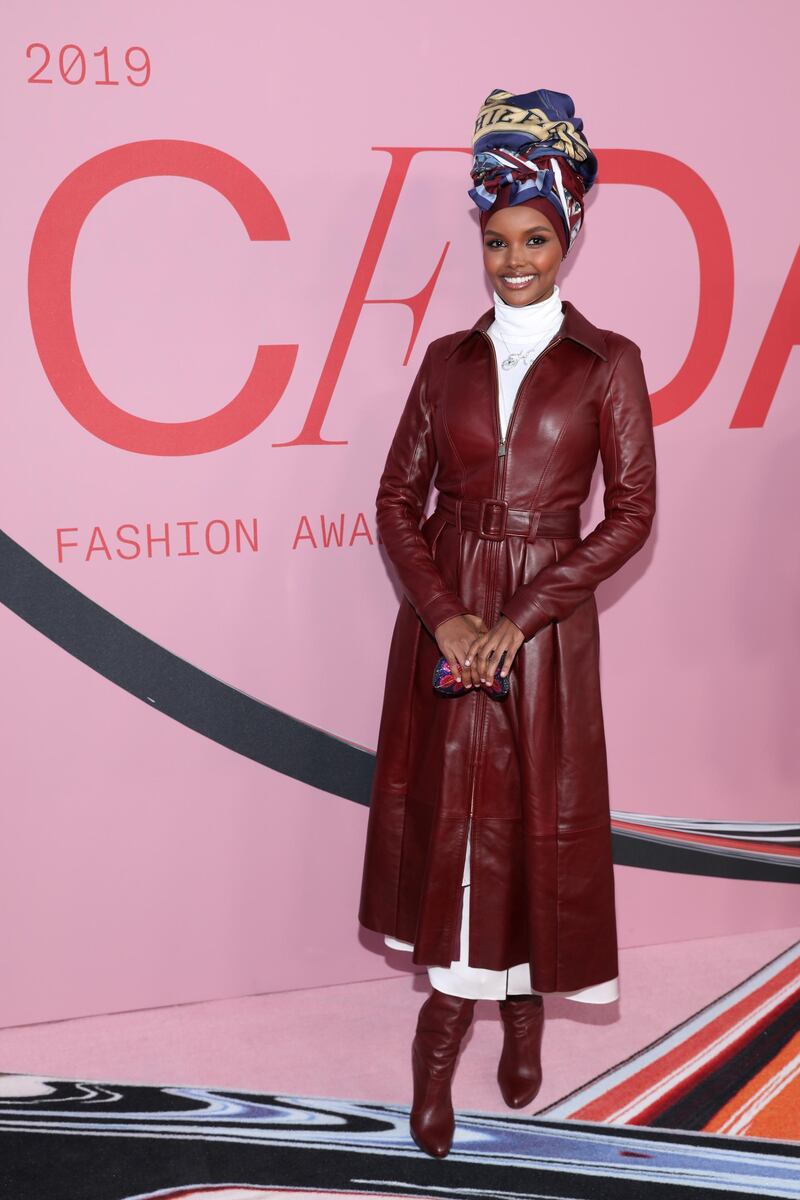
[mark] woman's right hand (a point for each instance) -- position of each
(454, 638)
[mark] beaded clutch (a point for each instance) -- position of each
(446, 684)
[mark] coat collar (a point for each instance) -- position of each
(575, 326)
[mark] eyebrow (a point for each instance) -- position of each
(533, 229)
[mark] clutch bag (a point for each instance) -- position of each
(446, 684)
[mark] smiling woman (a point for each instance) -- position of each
(488, 851)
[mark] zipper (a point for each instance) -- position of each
(503, 441)
(501, 454)
(478, 724)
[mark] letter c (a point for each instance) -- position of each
(49, 295)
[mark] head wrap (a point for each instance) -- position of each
(530, 149)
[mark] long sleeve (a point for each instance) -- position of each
(627, 449)
(400, 503)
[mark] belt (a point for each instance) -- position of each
(491, 518)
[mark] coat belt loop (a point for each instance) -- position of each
(458, 514)
(535, 522)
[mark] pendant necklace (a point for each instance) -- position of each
(514, 357)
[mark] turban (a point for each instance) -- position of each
(530, 149)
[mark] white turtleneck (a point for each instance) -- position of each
(523, 327)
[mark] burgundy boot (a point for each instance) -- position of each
(442, 1022)
(519, 1072)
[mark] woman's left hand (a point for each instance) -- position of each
(483, 655)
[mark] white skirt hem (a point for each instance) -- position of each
(479, 983)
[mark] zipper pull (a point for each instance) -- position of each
(502, 450)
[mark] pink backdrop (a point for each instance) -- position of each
(142, 863)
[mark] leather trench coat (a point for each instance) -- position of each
(529, 769)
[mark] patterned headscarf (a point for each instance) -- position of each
(529, 148)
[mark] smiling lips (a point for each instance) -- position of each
(517, 281)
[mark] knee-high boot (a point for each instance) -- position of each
(519, 1072)
(442, 1022)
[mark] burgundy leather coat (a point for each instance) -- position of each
(505, 538)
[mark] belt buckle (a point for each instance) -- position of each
(490, 502)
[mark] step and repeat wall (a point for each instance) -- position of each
(229, 233)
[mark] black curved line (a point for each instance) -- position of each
(175, 687)
(256, 730)
(636, 850)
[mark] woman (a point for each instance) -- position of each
(488, 852)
